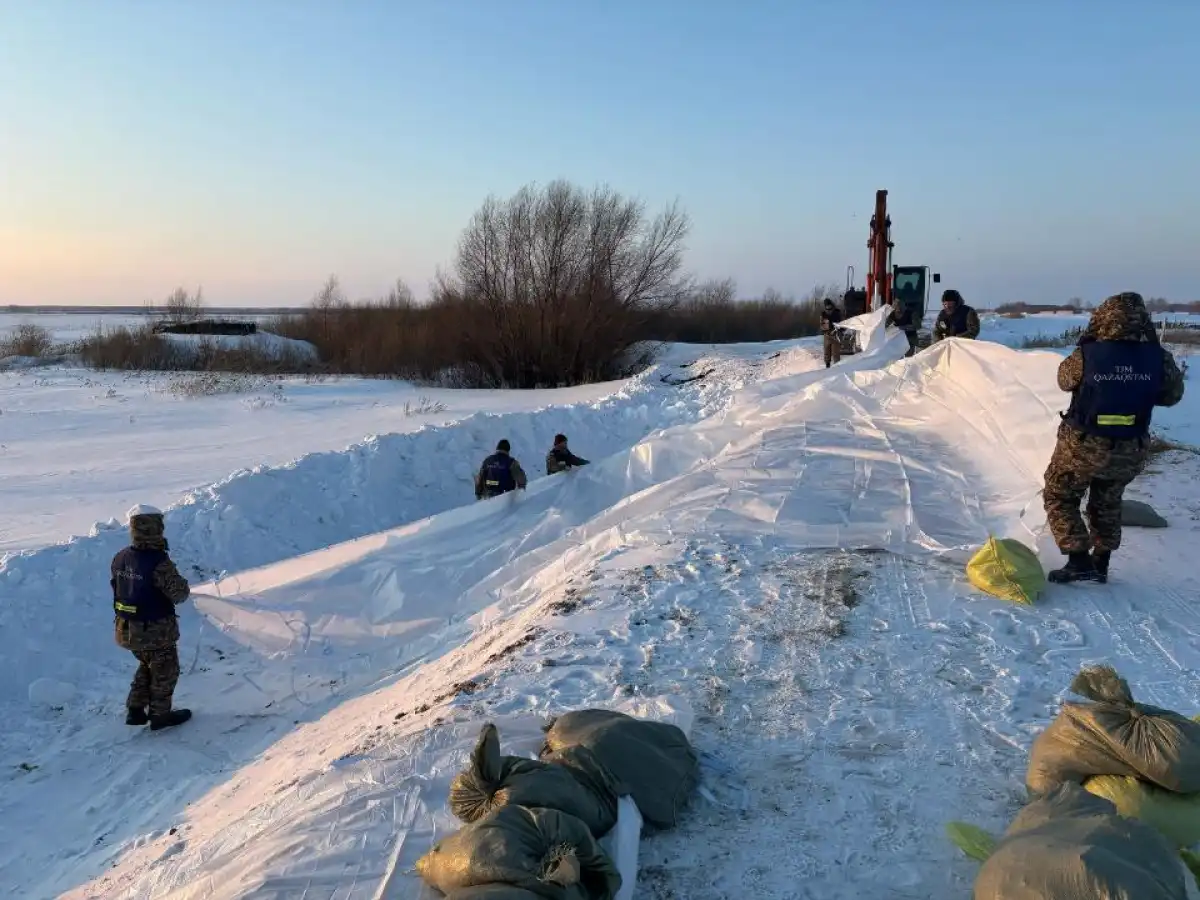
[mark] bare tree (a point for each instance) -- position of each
(181, 306)
(555, 281)
(327, 301)
(400, 296)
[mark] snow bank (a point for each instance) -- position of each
(266, 514)
(924, 457)
(261, 343)
(674, 563)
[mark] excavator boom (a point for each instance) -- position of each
(879, 278)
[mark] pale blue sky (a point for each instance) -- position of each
(1033, 149)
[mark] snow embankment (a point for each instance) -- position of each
(678, 566)
(269, 513)
(261, 344)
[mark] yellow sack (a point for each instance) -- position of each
(1177, 816)
(1007, 569)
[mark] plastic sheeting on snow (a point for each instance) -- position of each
(924, 456)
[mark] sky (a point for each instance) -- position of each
(1033, 150)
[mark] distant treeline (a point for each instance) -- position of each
(1154, 304)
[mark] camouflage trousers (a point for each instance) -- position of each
(833, 348)
(155, 645)
(1099, 467)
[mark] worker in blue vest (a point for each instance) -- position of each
(1116, 376)
(499, 474)
(146, 588)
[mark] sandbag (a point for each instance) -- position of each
(1115, 736)
(1136, 514)
(652, 761)
(1071, 845)
(1007, 569)
(1175, 816)
(542, 851)
(574, 783)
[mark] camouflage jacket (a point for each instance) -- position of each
(167, 577)
(1070, 377)
(1122, 317)
(969, 323)
(559, 459)
(518, 475)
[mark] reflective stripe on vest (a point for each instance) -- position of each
(1120, 383)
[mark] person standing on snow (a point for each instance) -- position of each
(956, 318)
(146, 588)
(904, 317)
(1116, 375)
(560, 459)
(499, 474)
(830, 317)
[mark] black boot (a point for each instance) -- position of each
(1100, 560)
(136, 715)
(171, 719)
(1079, 567)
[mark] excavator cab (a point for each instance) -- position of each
(910, 288)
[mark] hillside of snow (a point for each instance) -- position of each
(772, 554)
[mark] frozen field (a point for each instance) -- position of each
(717, 564)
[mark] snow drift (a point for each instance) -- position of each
(924, 457)
(264, 344)
(269, 513)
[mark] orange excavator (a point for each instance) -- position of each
(886, 282)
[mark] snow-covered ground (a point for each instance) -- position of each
(721, 560)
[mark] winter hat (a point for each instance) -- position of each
(503, 446)
(143, 509)
(951, 296)
(146, 526)
(560, 439)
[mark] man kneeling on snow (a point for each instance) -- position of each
(1116, 375)
(560, 459)
(146, 588)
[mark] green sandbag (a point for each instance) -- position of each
(1176, 816)
(1071, 845)
(1007, 569)
(1136, 514)
(652, 761)
(543, 851)
(1115, 736)
(574, 783)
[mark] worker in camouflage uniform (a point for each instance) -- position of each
(956, 318)
(830, 317)
(499, 474)
(904, 317)
(1116, 375)
(146, 589)
(560, 459)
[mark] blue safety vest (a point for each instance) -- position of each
(1121, 382)
(135, 595)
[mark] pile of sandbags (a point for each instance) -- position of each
(533, 824)
(654, 761)
(1113, 735)
(1114, 791)
(1071, 845)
